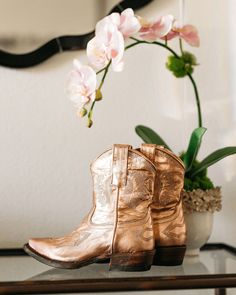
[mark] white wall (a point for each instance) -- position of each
(45, 151)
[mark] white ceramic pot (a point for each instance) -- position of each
(199, 228)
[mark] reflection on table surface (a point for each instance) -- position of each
(19, 268)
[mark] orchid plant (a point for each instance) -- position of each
(107, 49)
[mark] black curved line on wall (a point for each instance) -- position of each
(60, 44)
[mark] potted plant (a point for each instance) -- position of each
(200, 196)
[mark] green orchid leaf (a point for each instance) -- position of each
(213, 158)
(193, 147)
(150, 136)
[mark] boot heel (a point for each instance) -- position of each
(172, 255)
(139, 261)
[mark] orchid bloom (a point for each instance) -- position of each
(151, 31)
(108, 44)
(126, 22)
(82, 85)
(188, 33)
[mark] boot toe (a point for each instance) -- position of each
(41, 246)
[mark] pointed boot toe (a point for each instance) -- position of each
(52, 252)
(38, 245)
(41, 249)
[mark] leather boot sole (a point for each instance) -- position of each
(165, 256)
(139, 261)
(57, 263)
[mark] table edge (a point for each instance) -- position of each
(121, 284)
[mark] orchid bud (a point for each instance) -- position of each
(90, 123)
(98, 95)
(81, 113)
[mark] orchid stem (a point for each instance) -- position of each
(154, 42)
(181, 46)
(197, 100)
(90, 113)
(105, 69)
(104, 75)
(137, 41)
(166, 41)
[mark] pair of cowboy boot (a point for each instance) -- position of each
(135, 214)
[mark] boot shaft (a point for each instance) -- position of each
(167, 210)
(170, 175)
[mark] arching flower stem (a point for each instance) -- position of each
(189, 75)
(164, 45)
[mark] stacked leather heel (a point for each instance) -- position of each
(136, 219)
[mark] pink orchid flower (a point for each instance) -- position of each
(126, 22)
(188, 33)
(82, 84)
(108, 44)
(151, 31)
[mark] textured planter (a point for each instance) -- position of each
(199, 207)
(199, 227)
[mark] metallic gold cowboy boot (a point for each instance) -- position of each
(119, 226)
(167, 211)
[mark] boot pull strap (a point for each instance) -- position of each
(148, 150)
(119, 164)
